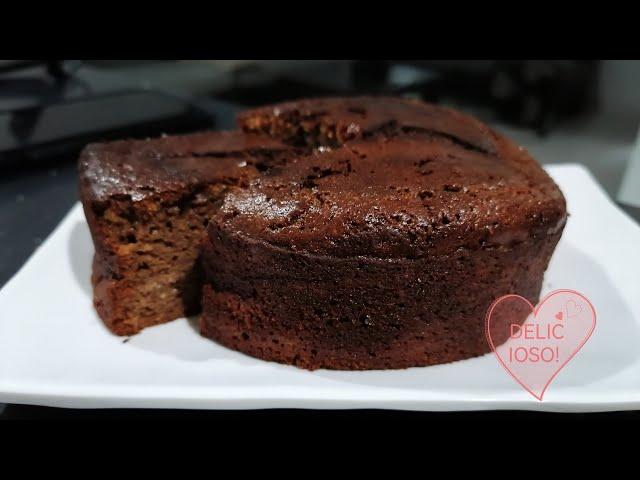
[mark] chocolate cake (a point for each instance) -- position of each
(353, 233)
(383, 246)
(147, 204)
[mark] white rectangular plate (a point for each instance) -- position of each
(55, 351)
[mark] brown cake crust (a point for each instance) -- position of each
(384, 252)
(334, 121)
(147, 204)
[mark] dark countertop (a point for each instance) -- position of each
(320, 418)
(31, 205)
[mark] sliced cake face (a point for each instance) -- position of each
(385, 247)
(147, 204)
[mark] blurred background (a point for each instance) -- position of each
(584, 112)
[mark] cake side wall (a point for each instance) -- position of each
(361, 313)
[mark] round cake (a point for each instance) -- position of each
(384, 246)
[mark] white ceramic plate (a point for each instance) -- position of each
(55, 351)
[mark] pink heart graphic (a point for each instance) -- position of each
(534, 344)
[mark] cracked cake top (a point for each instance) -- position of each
(446, 183)
(140, 168)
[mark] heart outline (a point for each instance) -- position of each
(535, 313)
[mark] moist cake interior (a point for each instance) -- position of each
(148, 204)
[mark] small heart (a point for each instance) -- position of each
(531, 346)
(573, 309)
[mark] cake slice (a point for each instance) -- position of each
(147, 204)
